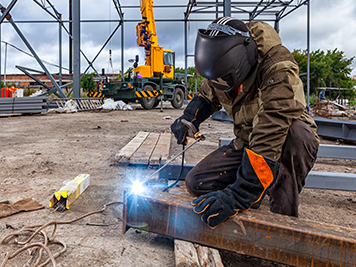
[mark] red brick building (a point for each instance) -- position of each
(24, 81)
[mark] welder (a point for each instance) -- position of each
(256, 80)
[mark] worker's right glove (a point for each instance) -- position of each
(254, 176)
(197, 111)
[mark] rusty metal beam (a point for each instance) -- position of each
(256, 233)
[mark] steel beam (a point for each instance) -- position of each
(256, 233)
(345, 130)
(315, 179)
(337, 151)
(331, 181)
(325, 151)
(6, 11)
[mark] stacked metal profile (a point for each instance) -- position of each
(15, 105)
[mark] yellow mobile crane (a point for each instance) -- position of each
(155, 80)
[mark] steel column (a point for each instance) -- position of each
(0, 54)
(255, 233)
(60, 47)
(227, 8)
(5, 62)
(122, 49)
(70, 36)
(276, 24)
(186, 51)
(308, 57)
(76, 49)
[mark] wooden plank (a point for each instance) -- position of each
(161, 151)
(189, 254)
(208, 257)
(127, 151)
(142, 155)
(185, 254)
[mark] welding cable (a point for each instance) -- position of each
(180, 173)
(38, 246)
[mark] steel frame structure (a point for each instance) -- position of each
(266, 10)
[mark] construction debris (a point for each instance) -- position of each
(329, 110)
(115, 105)
(69, 106)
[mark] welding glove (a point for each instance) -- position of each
(197, 111)
(254, 176)
(27, 204)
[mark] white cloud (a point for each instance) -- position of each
(333, 25)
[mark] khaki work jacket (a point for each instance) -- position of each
(270, 99)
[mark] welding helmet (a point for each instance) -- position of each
(225, 53)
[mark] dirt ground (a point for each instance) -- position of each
(40, 152)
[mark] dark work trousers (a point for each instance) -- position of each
(217, 170)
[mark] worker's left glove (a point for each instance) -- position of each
(197, 111)
(254, 176)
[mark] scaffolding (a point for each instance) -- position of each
(203, 11)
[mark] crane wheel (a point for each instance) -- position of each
(148, 102)
(178, 99)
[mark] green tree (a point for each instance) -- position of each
(193, 76)
(86, 81)
(330, 68)
(127, 72)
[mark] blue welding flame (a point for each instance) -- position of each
(137, 187)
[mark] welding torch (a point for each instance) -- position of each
(192, 132)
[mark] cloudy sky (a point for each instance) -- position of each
(333, 25)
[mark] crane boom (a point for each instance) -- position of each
(146, 30)
(157, 60)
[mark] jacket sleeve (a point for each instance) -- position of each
(281, 98)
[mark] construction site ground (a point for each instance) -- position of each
(40, 152)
